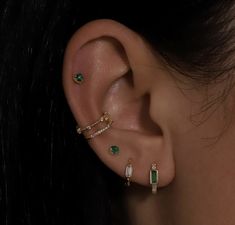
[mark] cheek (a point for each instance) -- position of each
(195, 133)
(203, 147)
(205, 172)
(170, 109)
(192, 133)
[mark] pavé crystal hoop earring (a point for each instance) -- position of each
(128, 172)
(154, 177)
(96, 128)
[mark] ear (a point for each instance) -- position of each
(116, 65)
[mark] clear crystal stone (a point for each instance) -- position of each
(129, 171)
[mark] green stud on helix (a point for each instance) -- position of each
(114, 150)
(78, 78)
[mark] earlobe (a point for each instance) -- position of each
(102, 74)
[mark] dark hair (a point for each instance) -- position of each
(48, 175)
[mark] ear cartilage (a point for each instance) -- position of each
(154, 177)
(114, 150)
(96, 128)
(128, 172)
(78, 78)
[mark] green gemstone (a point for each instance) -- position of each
(154, 176)
(78, 78)
(114, 149)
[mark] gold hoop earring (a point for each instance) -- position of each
(154, 177)
(128, 172)
(103, 124)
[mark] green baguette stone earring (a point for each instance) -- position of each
(154, 177)
(129, 172)
(114, 150)
(78, 78)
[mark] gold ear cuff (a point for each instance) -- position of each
(96, 128)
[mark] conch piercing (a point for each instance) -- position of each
(78, 78)
(114, 150)
(154, 177)
(128, 172)
(103, 124)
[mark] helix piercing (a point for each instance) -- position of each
(78, 78)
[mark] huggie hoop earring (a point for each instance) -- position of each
(154, 177)
(105, 122)
(128, 172)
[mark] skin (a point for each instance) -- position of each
(158, 118)
(202, 190)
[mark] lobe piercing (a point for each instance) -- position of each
(129, 172)
(154, 177)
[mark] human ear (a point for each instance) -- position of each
(113, 60)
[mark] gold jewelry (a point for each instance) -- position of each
(154, 177)
(104, 123)
(128, 172)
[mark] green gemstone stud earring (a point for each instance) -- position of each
(114, 150)
(78, 78)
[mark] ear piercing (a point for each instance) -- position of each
(78, 78)
(128, 172)
(154, 178)
(114, 150)
(103, 124)
(154, 175)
